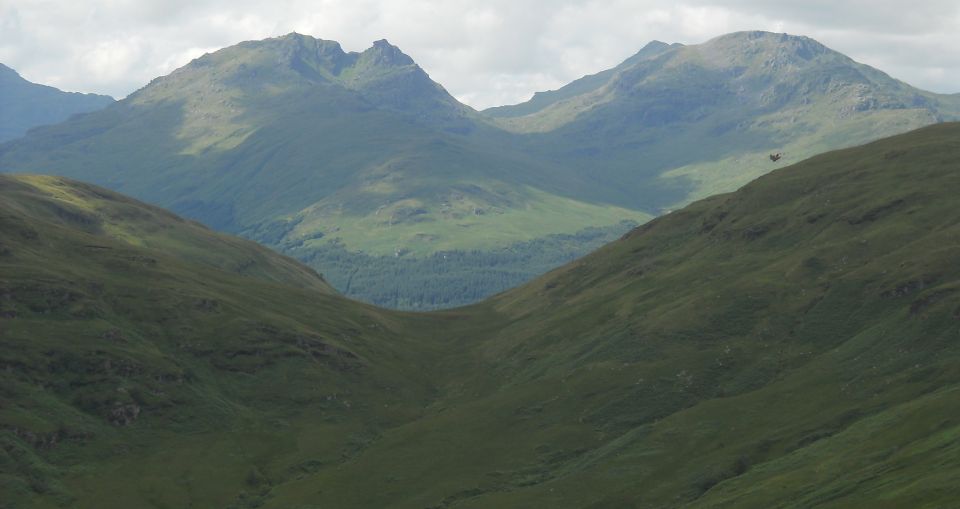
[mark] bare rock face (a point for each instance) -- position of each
(124, 414)
(45, 441)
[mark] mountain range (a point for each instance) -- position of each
(361, 165)
(791, 344)
(682, 122)
(25, 105)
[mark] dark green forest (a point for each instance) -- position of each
(448, 278)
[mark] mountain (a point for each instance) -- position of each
(25, 105)
(288, 132)
(361, 165)
(293, 142)
(675, 123)
(791, 344)
(584, 85)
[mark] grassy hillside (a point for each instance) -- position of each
(148, 361)
(792, 344)
(25, 105)
(677, 123)
(788, 345)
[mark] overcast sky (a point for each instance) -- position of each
(485, 53)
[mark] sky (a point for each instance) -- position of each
(485, 53)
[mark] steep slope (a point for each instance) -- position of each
(582, 86)
(148, 361)
(293, 133)
(293, 142)
(25, 105)
(683, 122)
(792, 344)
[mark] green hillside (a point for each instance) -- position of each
(792, 344)
(318, 152)
(292, 133)
(141, 353)
(25, 105)
(676, 123)
(581, 86)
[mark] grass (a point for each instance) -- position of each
(732, 172)
(790, 344)
(466, 224)
(119, 350)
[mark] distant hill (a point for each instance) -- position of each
(295, 143)
(25, 105)
(293, 133)
(584, 85)
(675, 123)
(362, 165)
(792, 344)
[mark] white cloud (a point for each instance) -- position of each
(109, 61)
(488, 53)
(180, 58)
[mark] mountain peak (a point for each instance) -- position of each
(384, 53)
(756, 35)
(321, 46)
(9, 76)
(293, 61)
(749, 42)
(307, 55)
(654, 45)
(25, 105)
(652, 49)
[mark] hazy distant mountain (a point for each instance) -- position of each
(25, 105)
(580, 86)
(677, 122)
(362, 165)
(296, 143)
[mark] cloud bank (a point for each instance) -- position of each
(485, 53)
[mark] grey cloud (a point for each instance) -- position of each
(485, 53)
(877, 16)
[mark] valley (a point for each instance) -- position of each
(790, 344)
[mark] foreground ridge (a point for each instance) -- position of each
(791, 344)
